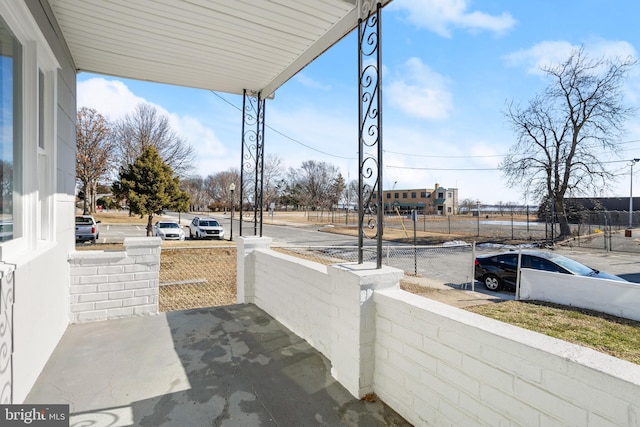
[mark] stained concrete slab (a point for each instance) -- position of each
(221, 366)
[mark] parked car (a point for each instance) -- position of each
(499, 271)
(87, 229)
(168, 230)
(205, 228)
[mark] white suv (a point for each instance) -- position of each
(205, 228)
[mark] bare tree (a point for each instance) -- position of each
(467, 205)
(93, 151)
(271, 178)
(320, 184)
(216, 188)
(145, 127)
(194, 186)
(563, 132)
(350, 194)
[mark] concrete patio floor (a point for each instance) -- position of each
(219, 366)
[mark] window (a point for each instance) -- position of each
(440, 195)
(413, 194)
(449, 195)
(404, 195)
(449, 209)
(423, 194)
(388, 195)
(11, 131)
(28, 71)
(396, 195)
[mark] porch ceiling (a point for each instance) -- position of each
(220, 45)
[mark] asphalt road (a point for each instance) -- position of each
(281, 234)
(624, 264)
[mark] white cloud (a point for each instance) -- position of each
(307, 81)
(419, 91)
(549, 53)
(113, 99)
(440, 16)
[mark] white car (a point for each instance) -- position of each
(205, 228)
(168, 230)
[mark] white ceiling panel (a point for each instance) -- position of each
(222, 45)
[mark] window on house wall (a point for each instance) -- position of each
(413, 194)
(449, 195)
(388, 195)
(11, 132)
(449, 209)
(45, 140)
(441, 195)
(396, 195)
(423, 194)
(404, 195)
(28, 70)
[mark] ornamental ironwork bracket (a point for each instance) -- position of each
(252, 161)
(370, 212)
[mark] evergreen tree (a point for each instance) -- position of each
(150, 187)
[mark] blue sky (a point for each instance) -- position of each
(449, 68)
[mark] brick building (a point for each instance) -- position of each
(436, 201)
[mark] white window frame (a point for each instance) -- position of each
(34, 214)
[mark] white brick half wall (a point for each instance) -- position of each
(110, 285)
(433, 363)
(614, 297)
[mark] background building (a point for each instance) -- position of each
(436, 201)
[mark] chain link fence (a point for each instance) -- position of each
(196, 277)
(450, 265)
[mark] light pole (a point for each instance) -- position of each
(232, 188)
(633, 162)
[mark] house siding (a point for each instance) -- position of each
(41, 309)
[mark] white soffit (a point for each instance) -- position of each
(222, 45)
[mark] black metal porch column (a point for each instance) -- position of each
(252, 153)
(370, 211)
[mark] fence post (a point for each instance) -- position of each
(473, 267)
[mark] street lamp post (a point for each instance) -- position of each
(232, 188)
(633, 162)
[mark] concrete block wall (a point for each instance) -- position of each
(109, 285)
(614, 297)
(304, 288)
(433, 363)
(439, 365)
(331, 307)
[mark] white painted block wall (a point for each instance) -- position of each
(433, 363)
(304, 288)
(109, 285)
(439, 365)
(614, 297)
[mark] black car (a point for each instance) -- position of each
(499, 271)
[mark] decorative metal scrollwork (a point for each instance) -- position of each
(370, 131)
(252, 170)
(6, 338)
